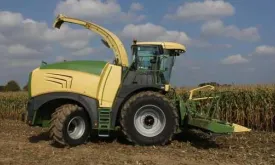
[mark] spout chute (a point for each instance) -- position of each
(112, 40)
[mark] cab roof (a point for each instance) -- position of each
(166, 45)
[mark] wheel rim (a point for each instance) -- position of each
(76, 127)
(149, 120)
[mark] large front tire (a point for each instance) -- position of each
(69, 125)
(149, 118)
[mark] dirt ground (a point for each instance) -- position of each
(20, 144)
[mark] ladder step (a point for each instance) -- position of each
(103, 135)
(104, 122)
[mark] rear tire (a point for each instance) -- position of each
(149, 118)
(69, 125)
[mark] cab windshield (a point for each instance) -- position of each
(152, 59)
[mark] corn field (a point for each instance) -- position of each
(12, 104)
(251, 106)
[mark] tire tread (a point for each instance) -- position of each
(57, 122)
(157, 96)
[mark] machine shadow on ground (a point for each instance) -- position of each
(197, 140)
(43, 136)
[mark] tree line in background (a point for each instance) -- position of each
(215, 84)
(12, 86)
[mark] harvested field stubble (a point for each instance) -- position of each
(20, 144)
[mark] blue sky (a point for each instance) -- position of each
(228, 41)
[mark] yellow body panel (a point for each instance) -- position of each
(167, 87)
(103, 88)
(165, 45)
(239, 128)
(55, 80)
(109, 84)
(112, 40)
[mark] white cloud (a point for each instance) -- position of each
(83, 52)
(68, 37)
(3, 49)
(21, 63)
(199, 43)
(97, 10)
(2, 38)
(152, 32)
(24, 63)
(195, 68)
(176, 36)
(19, 49)
(63, 58)
(250, 69)
(149, 32)
(265, 50)
(234, 59)
(136, 6)
(217, 28)
(88, 8)
(142, 31)
(59, 58)
(26, 37)
(206, 10)
(47, 49)
(130, 17)
(75, 44)
(9, 19)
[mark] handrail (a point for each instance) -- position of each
(199, 88)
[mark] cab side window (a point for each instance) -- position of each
(144, 56)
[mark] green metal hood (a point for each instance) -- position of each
(92, 67)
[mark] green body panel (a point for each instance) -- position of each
(182, 108)
(39, 121)
(202, 119)
(29, 85)
(34, 119)
(45, 123)
(211, 125)
(92, 67)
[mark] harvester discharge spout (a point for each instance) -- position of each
(109, 38)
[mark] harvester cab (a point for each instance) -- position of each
(156, 59)
(80, 99)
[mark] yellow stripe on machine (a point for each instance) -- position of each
(239, 128)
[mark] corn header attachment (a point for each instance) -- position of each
(201, 113)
